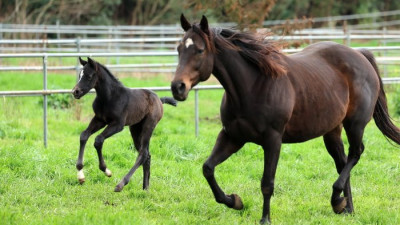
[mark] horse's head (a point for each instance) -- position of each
(196, 58)
(87, 78)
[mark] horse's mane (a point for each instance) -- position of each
(265, 54)
(109, 73)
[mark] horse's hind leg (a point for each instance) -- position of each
(141, 139)
(354, 131)
(136, 130)
(334, 145)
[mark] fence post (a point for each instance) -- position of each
(1, 38)
(162, 36)
(117, 36)
(45, 100)
(78, 49)
(196, 111)
(109, 43)
(385, 72)
(58, 33)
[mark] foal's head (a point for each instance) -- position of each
(196, 58)
(87, 77)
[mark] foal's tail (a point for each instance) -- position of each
(381, 114)
(168, 100)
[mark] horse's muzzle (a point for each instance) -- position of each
(178, 89)
(77, 92)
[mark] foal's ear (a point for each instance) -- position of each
(92, 63)
(204, 25)
(83, 62)
(184, 23)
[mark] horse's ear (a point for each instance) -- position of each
(83, 62)
(204, 25)
(92, 63)
(185, 24)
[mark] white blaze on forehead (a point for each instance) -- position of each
(188, 42)
(80, 75)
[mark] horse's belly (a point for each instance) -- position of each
(305, 126)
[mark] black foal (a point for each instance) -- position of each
(116, 106)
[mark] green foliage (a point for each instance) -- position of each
(139, 12)
(59, 101)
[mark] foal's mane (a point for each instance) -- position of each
(265, 54)
(109, 73)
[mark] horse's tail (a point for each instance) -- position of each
(168, 100)
(381, 114)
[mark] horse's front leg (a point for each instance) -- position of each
(272, 147)
(94, 125)
(110, 130)
(223, 149)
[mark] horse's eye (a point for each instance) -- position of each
(199, 51)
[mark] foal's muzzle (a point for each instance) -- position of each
(178, 89)
(77, 92)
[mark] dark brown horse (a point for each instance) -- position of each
(271, 98)
(116, 106)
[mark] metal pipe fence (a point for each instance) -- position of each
(45, 92)
(153, 43)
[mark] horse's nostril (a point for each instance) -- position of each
(181, 88)
(76, 92)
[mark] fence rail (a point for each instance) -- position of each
(45, 92)
(153, 43)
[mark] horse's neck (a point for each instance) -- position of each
(106, 88)
(233, 72)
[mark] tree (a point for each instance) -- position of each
(246, 13)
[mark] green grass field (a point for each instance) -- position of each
(39, 186)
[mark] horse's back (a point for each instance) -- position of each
(142, 104)
(332, 83)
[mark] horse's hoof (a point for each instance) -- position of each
(265, 221)
(81, 177)
(340, 205)
(237, 202)
(108, 172)
(118, 188)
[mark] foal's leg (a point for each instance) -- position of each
(272, 149)
(144, 155)
(136, 130)
(334, 145)
(354, 131)
(93, 127)
(110, 130)
(223, 149)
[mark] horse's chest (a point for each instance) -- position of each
(243, 124)
(105, 112)
(241, 129)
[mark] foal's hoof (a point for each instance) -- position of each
(118, 188)
(237, 202)
(339, 205)
(265, 220)
(108, 172)
(81, 181)
(81, 177)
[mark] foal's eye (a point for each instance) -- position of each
(199, 51)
